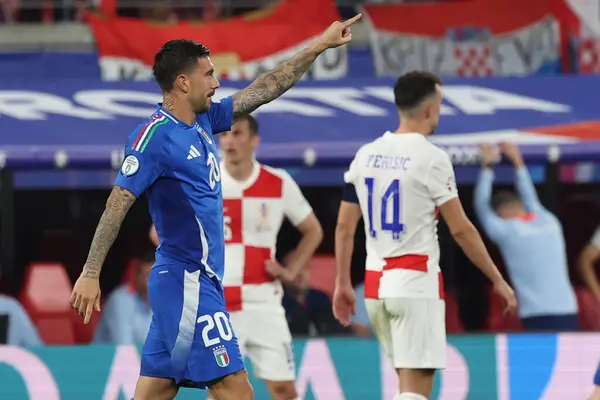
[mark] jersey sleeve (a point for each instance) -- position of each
(295, 206)
(350, 175)
(441, 181)
(220, 115)
(143, 164)
(349, 194)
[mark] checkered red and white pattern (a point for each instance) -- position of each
(406, 266)
(589, 55)
(253, 212)
(473, 59)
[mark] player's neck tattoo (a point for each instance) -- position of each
(272, 84)
(117, 205)
(168, 103)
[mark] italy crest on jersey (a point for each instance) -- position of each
(204, 134)
(221, 356)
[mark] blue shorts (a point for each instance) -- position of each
(597, 377)
(190, 338)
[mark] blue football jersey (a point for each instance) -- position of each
(177, 165)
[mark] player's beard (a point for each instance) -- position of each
(201, 105)
(202, 108)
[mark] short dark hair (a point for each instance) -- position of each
(504, 198)
(174, 58)
(252, 123)
(413, 87)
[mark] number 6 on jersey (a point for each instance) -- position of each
(388, 223)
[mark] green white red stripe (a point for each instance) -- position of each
(145, 135)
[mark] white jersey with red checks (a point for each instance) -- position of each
(400, 180)
(253, 212)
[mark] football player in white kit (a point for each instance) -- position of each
(397, 183)
(256, 199)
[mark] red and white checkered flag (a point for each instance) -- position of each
(474, 59)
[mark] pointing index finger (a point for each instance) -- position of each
(352, 20)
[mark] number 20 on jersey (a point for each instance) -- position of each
(221, 322)
(389, 222)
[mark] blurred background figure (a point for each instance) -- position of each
(530, 239)
(153, 236)
(16, 328)
(587, 263)
(308, 311)
(126, 315)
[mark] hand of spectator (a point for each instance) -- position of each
(344, 303)
(338, 33)
(277, 271)
(489, 156)
(503, 289)
(512, 152)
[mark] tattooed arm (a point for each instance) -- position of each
(272, 84)
(117, 206)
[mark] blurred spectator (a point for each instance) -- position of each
(21, 331)
(154, 236)
(361, 325)
(126, 316)
(587, 260)
(47, 11)
(308, 310)
(530, 239)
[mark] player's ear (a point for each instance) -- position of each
(255, 140)
(428, 110)
(183, 83)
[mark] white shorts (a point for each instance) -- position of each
(412, 332)
(264, 336)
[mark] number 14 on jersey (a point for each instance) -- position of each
(388, 223)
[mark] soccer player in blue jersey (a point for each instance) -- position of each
(173, 159)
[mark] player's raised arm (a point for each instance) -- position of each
(272, 84)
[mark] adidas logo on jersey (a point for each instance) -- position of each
(194, 153)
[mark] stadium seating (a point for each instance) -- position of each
(45, 296)
(56, 330)
(322, 274)
(589, 309)
(84, 333)
(497, 322)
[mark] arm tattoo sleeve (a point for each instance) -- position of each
(117, 205)
(272, 84)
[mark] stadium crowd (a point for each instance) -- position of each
(49, 11)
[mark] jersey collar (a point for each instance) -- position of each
(167, 114)
(390, 134)
(245, 184)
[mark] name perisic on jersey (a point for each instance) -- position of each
(379, 161)
(316, 101)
